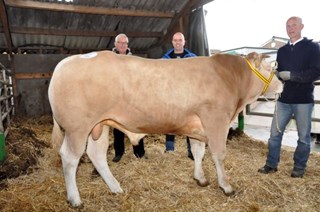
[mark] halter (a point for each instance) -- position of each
(265, 80)
(267, 83)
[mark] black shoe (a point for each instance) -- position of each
(297, 173)
(190, 156)
(117, 158)
(267, 169)
(139, 155)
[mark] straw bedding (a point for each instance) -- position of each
(31, 178)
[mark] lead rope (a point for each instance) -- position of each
(275, 66)
(276, 117)
(275, 110)
(275, 99)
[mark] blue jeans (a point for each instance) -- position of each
(170, 143)
(282, 115)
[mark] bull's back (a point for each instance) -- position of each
(106, 68)
(91, 84)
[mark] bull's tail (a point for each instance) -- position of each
(57, 135)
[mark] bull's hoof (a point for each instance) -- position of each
(76, 206)
(202, 184)
(228, 194)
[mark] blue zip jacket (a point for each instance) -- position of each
(186, 51)
(303, 62)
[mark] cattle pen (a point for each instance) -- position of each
(37, 34)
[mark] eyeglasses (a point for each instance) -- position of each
(122, 43)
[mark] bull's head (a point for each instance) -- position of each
(266, 72)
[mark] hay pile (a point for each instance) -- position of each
(164, 181)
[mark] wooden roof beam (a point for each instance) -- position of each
(68, 32)
(86, 9)
(5, 24)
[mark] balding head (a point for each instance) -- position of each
(178, 42)
(294, 27)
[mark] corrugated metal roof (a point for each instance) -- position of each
(89, 25)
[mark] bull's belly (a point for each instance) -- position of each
(191, 127)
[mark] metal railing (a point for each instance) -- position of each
(250, 112)
(6, 107)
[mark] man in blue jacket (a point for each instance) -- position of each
(298, 67)
(178, 51)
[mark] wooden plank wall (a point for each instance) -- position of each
(32, 73)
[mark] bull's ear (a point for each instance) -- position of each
(263, 56)
(253, 56)
(255, 59)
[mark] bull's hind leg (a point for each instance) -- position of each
(97, 152)
(198, 150)
(71, 151)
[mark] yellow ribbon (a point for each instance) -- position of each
(266, 81)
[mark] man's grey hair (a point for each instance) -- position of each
(297, 18)
(121, 35)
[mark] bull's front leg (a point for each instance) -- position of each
(217, 139)
(97, 152)
(198, 150)
(222, 177)
(218, 155)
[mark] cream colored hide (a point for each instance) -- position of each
(197, 97)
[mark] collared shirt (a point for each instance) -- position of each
(128, 51)
(296, 41)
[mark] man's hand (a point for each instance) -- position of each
(284, 75)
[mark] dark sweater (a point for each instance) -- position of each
(303, 62)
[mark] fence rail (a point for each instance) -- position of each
(250, 112)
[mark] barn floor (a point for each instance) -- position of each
(162, 182)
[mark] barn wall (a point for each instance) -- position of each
(32, 77)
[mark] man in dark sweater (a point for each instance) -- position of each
(121, 47)
(298, 67)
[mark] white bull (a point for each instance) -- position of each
(197, 97)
